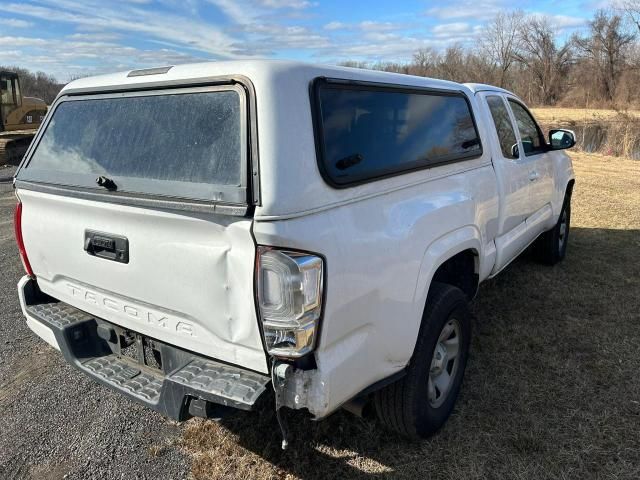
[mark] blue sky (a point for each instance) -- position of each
(67, 38)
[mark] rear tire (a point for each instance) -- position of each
(418, 404)
(551, 247)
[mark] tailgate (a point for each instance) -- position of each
(189, 280)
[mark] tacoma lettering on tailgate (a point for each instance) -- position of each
(136, 312)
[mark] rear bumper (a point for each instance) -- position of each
(186, 379)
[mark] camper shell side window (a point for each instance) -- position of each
(369, 131)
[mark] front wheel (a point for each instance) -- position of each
(418, 404)
(551, 247)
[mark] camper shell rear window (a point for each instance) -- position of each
(368, 131)
(186, 143)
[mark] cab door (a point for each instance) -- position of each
(513, 171)
(539, 161)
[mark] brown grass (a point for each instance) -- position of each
(552, 389)
(555, 114)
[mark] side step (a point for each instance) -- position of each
(183, 377)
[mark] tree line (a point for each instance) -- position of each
(598, 67)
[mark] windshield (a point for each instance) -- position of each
(184, 139)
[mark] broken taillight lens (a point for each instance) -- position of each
(17, 222)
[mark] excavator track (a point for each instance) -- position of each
(13, 146)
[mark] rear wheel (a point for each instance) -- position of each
(419, 404)
(551, 247)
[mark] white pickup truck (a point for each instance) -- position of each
(200, 237)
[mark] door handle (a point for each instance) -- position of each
(107, 246)
(533, 176)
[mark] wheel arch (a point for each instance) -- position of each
(465, 241)
(460, 249)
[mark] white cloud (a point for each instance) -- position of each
(65, 57)
(561, 22)
(365, 26)
(97, 36)
(370, 26)
(247, 11)
(295, 4)
(15, 23)
(400, 49)
(468, 9)
(336, 26)
(22, 41)
(193, 33)
(452, 29)
(235, 10)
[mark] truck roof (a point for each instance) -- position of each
(252, 69)
(483, 87)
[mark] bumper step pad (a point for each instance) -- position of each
(166, 392)
(126, 377)
(223, 381)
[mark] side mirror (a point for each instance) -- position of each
(560, 139)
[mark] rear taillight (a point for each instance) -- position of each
(17, 222)
(290, 300)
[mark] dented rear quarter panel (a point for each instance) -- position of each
(381, 253)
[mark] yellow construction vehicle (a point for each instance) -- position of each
(20, 118)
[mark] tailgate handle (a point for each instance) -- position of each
(107, 246)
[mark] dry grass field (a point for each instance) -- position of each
(549, 115)
(552, 390)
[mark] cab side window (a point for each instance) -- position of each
(530, 134)
(504, 127)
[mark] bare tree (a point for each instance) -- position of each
(500, 42)
(452, 65)
(606, 49)
(546, 61)
(632, 11)
(354, 64)
(425, 61)
(598, 67)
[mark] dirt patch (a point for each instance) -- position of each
(26, 369)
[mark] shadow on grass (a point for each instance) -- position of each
(551, 388)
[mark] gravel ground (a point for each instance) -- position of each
(6, 173)
(55, 422)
